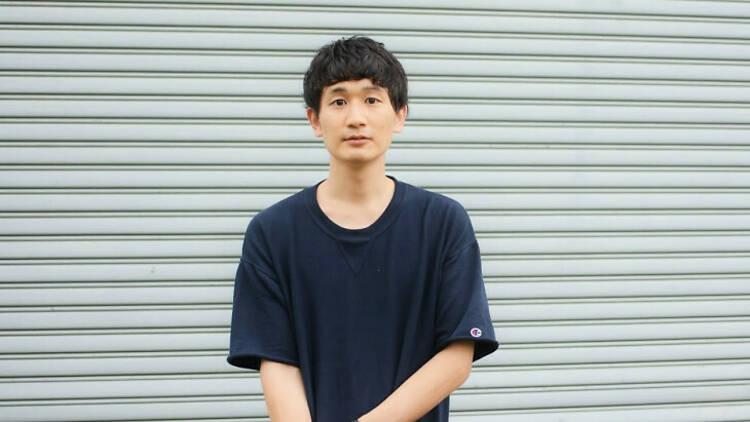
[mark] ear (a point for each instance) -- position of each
(400, 119)
(312, 117)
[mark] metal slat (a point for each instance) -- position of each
(281, 108)
(607, 354)
(499, 287)
(182, 269)
(194, 316)
(605, 374)
(668, 413)
(613, 243)
(615, 264)
(461, 65)
(214, 339)
(81, 36)
(634, 362)
(175, 292)
(227, 222)
(150, 199)
(229, 133)
(104, 293)
(238, 405)
(124, 270)
(135, 387)
(729, 9)
(398, 155)
(130, 364)
(202, 315)
(163, 386)
(486, 399)
(402, 18)
(122, 340)
(419, 87)
(606, 396)
(614, 352)
(616, 308)
(187, 177)
(540, 200)
(583, 245)
(709, 412)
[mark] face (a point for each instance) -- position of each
(356, 121)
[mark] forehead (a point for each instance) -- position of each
(353, 86)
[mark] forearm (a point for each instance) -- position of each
(284, 392)
(427, 387)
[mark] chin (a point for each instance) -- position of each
(357, 159)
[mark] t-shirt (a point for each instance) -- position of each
(358, 310)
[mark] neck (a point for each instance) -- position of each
(357, 184)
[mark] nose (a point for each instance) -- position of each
(355, 116)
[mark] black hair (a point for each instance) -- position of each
(355, 58)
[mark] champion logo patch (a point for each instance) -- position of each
(476, 332)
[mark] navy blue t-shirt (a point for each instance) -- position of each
(358, 310)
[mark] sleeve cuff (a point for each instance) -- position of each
(482, 347)
(252, 360)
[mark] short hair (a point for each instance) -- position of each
(355, 58)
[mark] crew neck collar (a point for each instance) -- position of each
(343, 233)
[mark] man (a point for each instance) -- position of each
(360, 297)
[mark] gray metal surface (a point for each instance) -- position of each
(601, 148)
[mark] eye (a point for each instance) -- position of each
(338, 102)
(372, 100)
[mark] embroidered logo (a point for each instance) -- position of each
(476, 332)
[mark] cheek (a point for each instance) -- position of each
(322, 127)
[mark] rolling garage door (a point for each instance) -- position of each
(601, 149)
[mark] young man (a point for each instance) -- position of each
(360, 297)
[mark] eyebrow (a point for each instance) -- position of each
(367, 88)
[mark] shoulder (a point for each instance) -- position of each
(268, 226)
(437, 205)
(428, 196)
(442, 214)
(278, 213)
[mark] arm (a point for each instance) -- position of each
(284, 392)
(427, 387)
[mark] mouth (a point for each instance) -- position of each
(356, 138)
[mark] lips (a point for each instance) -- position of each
(356, 138)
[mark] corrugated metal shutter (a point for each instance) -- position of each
(600, 147)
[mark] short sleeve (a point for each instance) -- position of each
(260, 326)
(462, 309)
